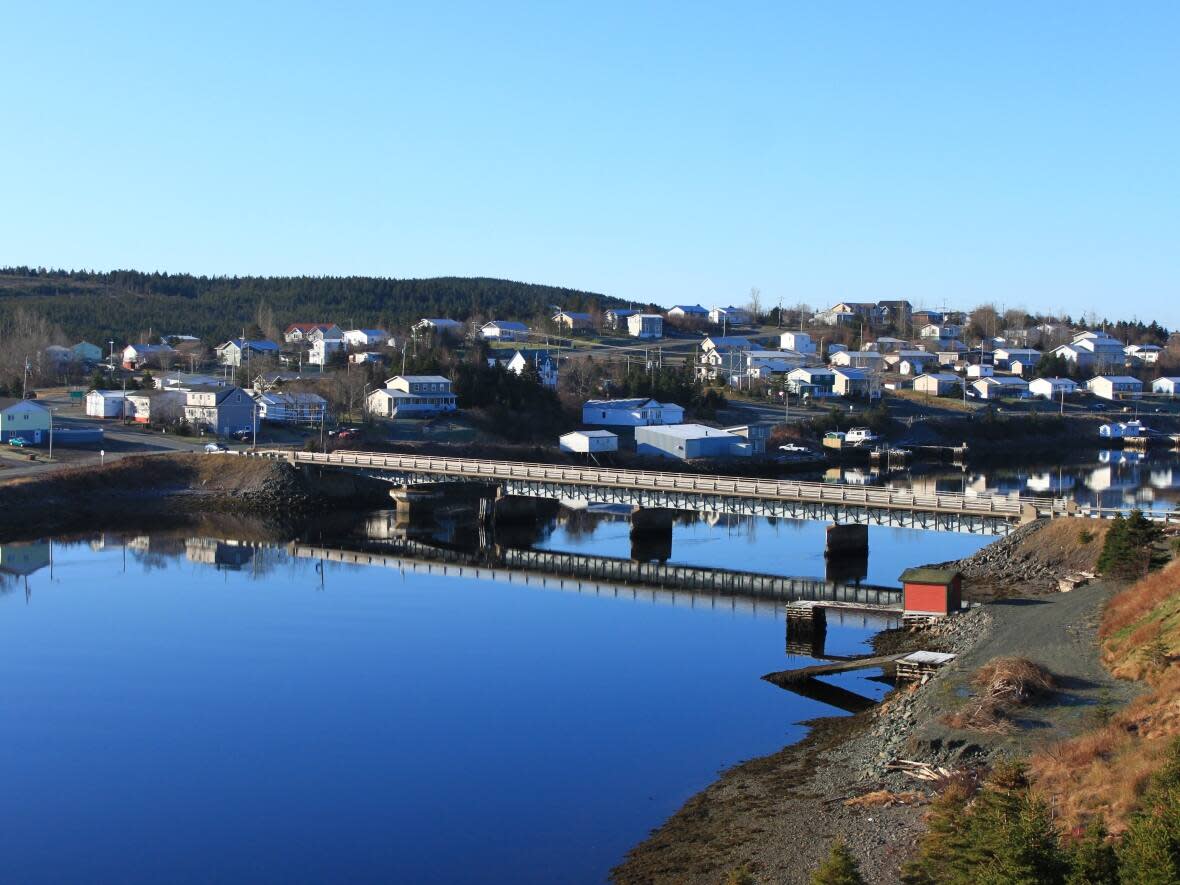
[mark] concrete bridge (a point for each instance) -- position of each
(745, 496)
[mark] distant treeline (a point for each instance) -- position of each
(124, 304)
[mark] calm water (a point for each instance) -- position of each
(186, 710)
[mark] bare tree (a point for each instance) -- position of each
(755, 304)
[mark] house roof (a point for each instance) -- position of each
(307, 327)
(689, 431)
(928, 575)
(114, 394)
(688, 308)
(243, 344)
(1120, 379)
(507, 324)
(369, 333)
(624, 404)
(600, 434)
(941, 376)
(850, 373)
(573, 315)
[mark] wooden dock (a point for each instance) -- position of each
(800, 674)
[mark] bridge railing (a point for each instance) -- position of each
(827, 493)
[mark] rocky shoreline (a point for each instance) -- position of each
(775, 818)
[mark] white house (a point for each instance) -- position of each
(1115, 387)
(25, 419)
(848, 381)
(812, 381)
(137, 356)
(237, 351)
(637, 412)
(729, 342)
(1148, 354)
(299, 332)
(439, 326)
(645, 325)
(1003, 357)
(503, 330)
(859, 359)
(541, 360)
(1168, 385)
(886, 344)
(980, 370)
(688, 312)
(1052, 388)
(361, 338)
(412, 396)
(588, 441)
(997, 386)
(616, 318)
(106, 404)
(160, 406)
(944, 331)
(362, 357)
(1093, 350)
(290, 408)
(800, 342)
(732, 316)
(936, 383)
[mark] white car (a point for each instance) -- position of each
(793, 447)
(215, 448)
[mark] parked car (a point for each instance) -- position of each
(241, 435)
(1098, 407)
(19, 441)
(793, 447)
(214, 448)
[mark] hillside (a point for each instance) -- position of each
(118, 304)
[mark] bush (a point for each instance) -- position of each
(839, 869)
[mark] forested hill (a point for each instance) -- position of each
(123, 304)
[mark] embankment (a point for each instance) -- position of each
(138, 488)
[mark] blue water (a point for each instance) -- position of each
(167, 720)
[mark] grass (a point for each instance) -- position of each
(1002, 683)
(1105, 771)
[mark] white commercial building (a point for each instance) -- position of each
(589, 441)
(637, 412)
(645, 325)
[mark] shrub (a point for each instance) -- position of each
(1127, 551)
(839, 869)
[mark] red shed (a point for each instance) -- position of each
(931, 591)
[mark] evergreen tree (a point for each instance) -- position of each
(1150, 851)
(839, 869)
(1093, 860)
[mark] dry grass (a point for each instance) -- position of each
(1105, 771)
(1013, 680)
(981, 714)
(886, 799)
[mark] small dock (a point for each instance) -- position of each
(801, 674)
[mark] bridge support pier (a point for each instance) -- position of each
(518, 509)
(844, 538)
(807, 629)
(651, 534)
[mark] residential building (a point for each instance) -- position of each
(181, 381)
(504, 330)
(299, 332)
(219, 410)
(365, 357)
(937, 383)
(1021, 368)
(688, 441)
(24, 418)
(729, 316)
(85, 352)
(290, 408)
(980, 370)
(635, 412)
(1003, 357)
(941, 332)
(764, 363)
(139, 356)
(999, 386)
(588, 442)
(323, 348)
(1168, 386)
(688, 312)
(851, 382)
(648, 326)
(1052, 388)
(1147, 354)
(574, 321)
(897, 314)
(155, 406)
(756, 434)
(813, 382)
(362, 338)
(859, 359)
(239, 351)
(920, 318)
(847, 313)
(616, 318)
(1115, 387)
(729, 342)
(413, 396)
(106, 404)
(541, 360)
(886, 344)
(914, 362)
(1093, 351)
(800, 342)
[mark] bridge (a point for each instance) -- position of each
(743, 496)
(588, 572)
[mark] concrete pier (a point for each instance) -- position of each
(845, 538)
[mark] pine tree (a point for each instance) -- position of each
(839, 869)
(1093, 860)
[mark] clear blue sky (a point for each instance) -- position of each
(1026, 153)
